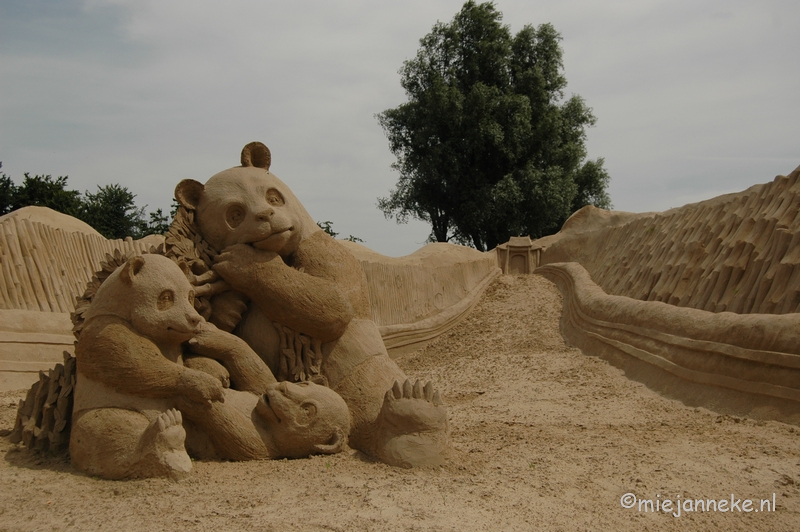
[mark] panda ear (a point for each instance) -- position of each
(188, 193)
(256, 154)
(131, 268)
(335, 443)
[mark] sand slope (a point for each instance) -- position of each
(544, 438)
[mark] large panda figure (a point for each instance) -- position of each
(279, 281)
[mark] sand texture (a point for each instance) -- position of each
(738, 252)
(741, 364)
(544, 438)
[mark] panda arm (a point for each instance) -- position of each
(313, 296)
(247, 371)
(121, 358)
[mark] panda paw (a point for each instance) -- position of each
(412, 426)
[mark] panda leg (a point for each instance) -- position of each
(114, 443)
(395, 420)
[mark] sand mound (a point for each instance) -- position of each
(544, 438)
(46, 216)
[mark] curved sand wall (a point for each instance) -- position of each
(700, 303)
(46, 259)
(419, 296)
(746, 364)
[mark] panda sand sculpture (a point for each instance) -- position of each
(299, 299)
(139, 411)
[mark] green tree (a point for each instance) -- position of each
(158, 224)
(44, 191)
(487, 146)
(7, 190)
(112, 211)
(327, 226)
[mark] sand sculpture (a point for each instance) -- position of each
(141, 408)
(300, 300)
(518, 255)
(47, 258)
(737, 253)
(701, 303)
(44, 417)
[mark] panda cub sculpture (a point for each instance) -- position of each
(299, 299)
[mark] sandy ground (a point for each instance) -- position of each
(544, 438)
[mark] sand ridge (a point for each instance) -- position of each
(737, 253)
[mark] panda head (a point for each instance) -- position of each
(247, 205)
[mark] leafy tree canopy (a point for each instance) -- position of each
(111, 210)
(327, 226)
(487, 146)
(7, 189)
(44, 191)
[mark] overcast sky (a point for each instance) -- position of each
(693, 98)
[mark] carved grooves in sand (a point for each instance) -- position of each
(419, 296)
(43, 268)
(738, 253)
(44, 417)
(757, 354)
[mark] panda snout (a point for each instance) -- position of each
(265, 215)
(193, 320)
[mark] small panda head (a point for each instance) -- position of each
(153, 294)
(162, 300)
(304, 418)
(247, 205)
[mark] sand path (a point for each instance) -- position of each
(544, 438)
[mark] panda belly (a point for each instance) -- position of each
(90, 394)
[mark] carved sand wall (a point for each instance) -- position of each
(45, 267)
(419, 296)
(747, 364)
(29, 342)
(700, 303)
(46, 259)
(739, 252)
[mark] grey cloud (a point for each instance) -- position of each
(692, 99)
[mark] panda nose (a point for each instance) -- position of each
(265, 215)
(193, 319)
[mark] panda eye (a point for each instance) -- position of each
(234, 216)
(274, 198)
(309, 409)
(166, 299)
(191, 297)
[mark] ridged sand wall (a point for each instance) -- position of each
(739, 252)
(701, 303)
(45, 265)
(732, 363)
(44, 268)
